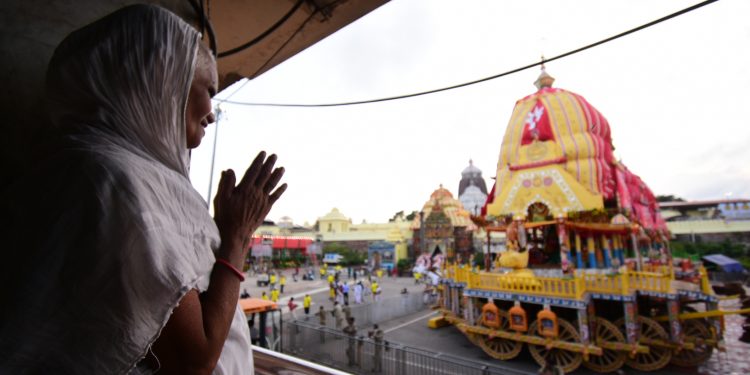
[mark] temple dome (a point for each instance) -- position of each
(556, 126)
(471, 170)
(334, 215)
(441, 194)
(442, 199)
(471, 175)
(557, 151)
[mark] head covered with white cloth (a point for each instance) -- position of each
(109, 234)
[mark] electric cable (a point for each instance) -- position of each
(205, 24)
(577, 50)
(264, 34)
(301, 26)
(219, 111)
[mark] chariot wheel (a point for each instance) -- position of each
(695, 331)
(567, 360)
(473, 338)
(501, 348)
(657, 357)
(610, 360)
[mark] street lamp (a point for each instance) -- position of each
(421, 233)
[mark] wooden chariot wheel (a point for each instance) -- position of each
(501, 348)
(473, 338)
(694, 331)
(657, 357)
(610, 360)
(567, 360)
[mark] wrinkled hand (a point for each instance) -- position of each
(239, 210)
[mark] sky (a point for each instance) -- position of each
(674, 94)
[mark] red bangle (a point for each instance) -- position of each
(232, 268)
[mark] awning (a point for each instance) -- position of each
(726, 263)
(280, 242)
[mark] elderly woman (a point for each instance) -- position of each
(117, 266)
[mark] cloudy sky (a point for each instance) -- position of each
(675, 96)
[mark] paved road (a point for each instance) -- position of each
(412, 330)
(318, 290)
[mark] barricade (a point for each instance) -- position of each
(333, 348)
(376, 312)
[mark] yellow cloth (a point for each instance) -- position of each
(330, 279)
(322, 272)
(264, 297)
(273, 279)
(307, 301)
(275, 295)
(374, 287)
(283, 280)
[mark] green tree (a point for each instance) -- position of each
(669, 198)
(396, 215)
(696, 250)
(478, 259)
(403, 264)
(412, 215)
(349, 257)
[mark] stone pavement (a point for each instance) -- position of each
(318, 290)
(736, 359)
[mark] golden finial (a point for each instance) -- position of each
(544, 79)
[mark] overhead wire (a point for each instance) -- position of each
(205, 24)
(278, 50)
(516, 70)
(263, 35)
(219, 111)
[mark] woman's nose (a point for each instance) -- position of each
(211, 118)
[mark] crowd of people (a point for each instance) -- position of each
(354, 343)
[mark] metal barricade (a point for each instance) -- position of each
(360, 354)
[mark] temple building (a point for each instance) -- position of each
(443, 226)
(557, 177)
(384, 243)
(708, 220)
(472, 191)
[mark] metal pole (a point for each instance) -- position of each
(213, 153)
(487, 260)
(262, 334)
(422, 242)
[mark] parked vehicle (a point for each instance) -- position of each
(262, 279)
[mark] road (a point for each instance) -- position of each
(412, 330)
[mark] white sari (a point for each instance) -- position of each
(109, 234)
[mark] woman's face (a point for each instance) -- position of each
(198, 113)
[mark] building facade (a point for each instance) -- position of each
(708, 221)
(443, 226)
(472, 190)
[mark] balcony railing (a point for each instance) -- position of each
(268, 362)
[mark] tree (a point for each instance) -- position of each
(478, 259)
(668, 198)
(349, 257)
(696, 250)
(400, 214)
(396, 215)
